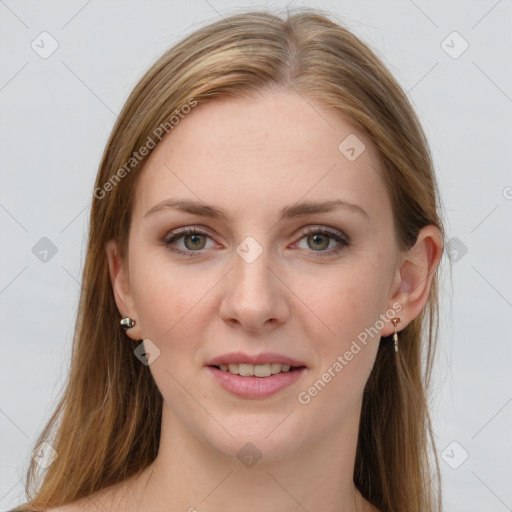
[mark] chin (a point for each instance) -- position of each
(257, 436)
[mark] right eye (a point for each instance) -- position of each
(193, 240)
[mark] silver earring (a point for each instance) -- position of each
(395, 321)
(127, 323)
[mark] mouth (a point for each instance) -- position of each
(255, 381)
(256, 370)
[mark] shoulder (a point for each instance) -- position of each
(76, 506)
(70, 507)
(109, 498)
(102, 500)
(65, 508)
(81, 505)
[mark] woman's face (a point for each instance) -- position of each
(254, 280)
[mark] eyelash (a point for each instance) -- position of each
(341, 238)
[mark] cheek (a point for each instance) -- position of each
(175, 309)
(347, 301)
(346, 339)
(164, 294)
(170, 305)
(159, 302)
(345, 354)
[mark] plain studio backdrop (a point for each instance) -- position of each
(67, 69)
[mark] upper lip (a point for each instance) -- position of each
(263, 358)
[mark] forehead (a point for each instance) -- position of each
(263, 153)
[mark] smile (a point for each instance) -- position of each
(252, 386)
(256, 370)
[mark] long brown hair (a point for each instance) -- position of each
(106, 426)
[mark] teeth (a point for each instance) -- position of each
(255, 370)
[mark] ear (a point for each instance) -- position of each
(120, 280)
(414, 277)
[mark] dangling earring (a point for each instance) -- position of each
(127, 323)
(395, 336)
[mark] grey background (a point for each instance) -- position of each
(56, 114)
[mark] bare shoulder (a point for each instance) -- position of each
(118, 496)
(75, 506)
(87, 504)
(104, 499)
(70, 507)
(65, 508)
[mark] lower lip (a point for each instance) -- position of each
(255, 387)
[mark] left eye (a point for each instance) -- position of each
(320, 239)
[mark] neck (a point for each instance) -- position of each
(191, 475)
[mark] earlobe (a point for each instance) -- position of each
(119, 280)
(416, 272)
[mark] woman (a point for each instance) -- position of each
(260, 284)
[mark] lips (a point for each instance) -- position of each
(263, 358)
(255, 387)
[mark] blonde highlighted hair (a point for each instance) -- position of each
(106, 426)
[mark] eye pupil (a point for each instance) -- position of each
(318, 237)
(195, 240)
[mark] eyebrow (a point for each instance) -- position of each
(288, 212)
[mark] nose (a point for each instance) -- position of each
(254, 295)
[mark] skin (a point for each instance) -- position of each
(252, 158)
